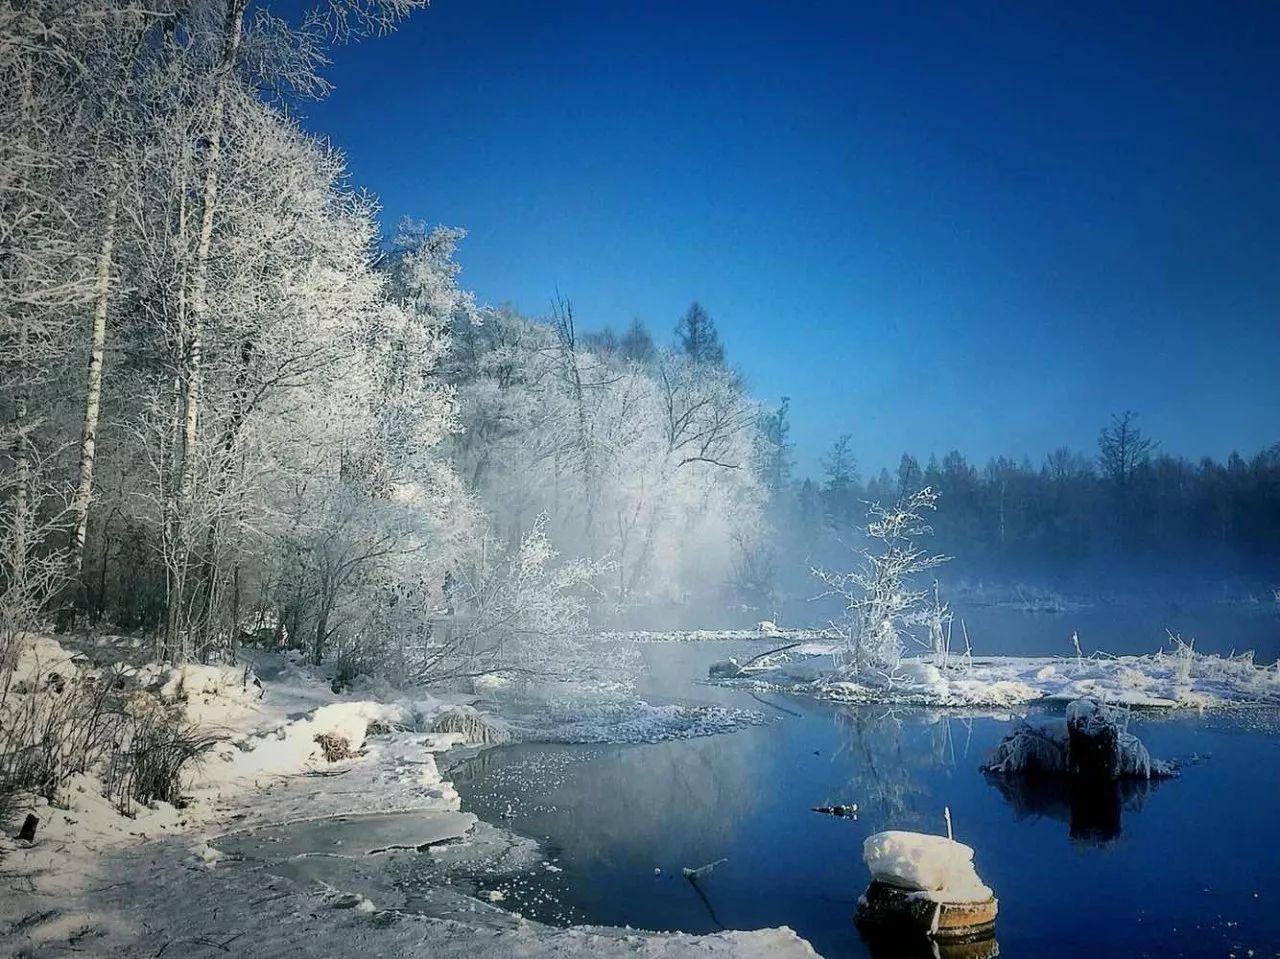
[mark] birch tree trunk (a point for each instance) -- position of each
(194, 346)
(113, 183)
(17, 278)
(93, 387)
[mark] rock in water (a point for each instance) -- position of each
(28, 830)
(1088, 745)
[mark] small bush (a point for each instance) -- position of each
(150, 761)
(335, 748)
(55, 730)
(54, 726)
(475, 726)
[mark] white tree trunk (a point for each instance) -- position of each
(194, 346)
(93, 387)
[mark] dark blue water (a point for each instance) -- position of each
(1190, 867)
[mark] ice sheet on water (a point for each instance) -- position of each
(352, 836)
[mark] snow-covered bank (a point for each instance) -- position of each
(97, 881)
(1182, 678)
(763, 631)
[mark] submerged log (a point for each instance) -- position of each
(840, 811)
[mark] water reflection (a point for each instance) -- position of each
(886, 945)
(685, 799)
(609, 816)
(1092, 810)
(890, 750)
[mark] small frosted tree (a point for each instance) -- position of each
(883, 606)
(521, 608)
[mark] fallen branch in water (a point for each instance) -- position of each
(780, 649)
(692, 874)
(845, 811)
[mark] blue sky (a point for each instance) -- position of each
(982, 226)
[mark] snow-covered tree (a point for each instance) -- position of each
(883, 604)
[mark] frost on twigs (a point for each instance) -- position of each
(883, 609)
(521, 610)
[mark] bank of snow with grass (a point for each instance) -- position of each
(895, 642)
(112, 872)
(1168, 678)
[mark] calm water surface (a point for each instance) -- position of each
(1189, 867)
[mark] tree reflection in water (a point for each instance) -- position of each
(680, 801)
(890, 747)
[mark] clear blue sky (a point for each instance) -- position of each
(978, 225)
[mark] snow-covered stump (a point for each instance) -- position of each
(1085, 769)
(888, 907)
(924, 884)
(1093, 741)
(1089, 745)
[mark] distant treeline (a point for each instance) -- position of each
(1125, 503)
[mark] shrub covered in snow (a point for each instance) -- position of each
(1031, 749)
(1059, 747)
(62, 718)
(473, 725)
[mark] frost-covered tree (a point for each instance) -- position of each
(884, 606)
(647, 466)
(775, 461)
(227, 408)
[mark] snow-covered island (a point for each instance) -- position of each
(1177, 678)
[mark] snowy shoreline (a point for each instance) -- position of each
(95, 880)
(1181, 679)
